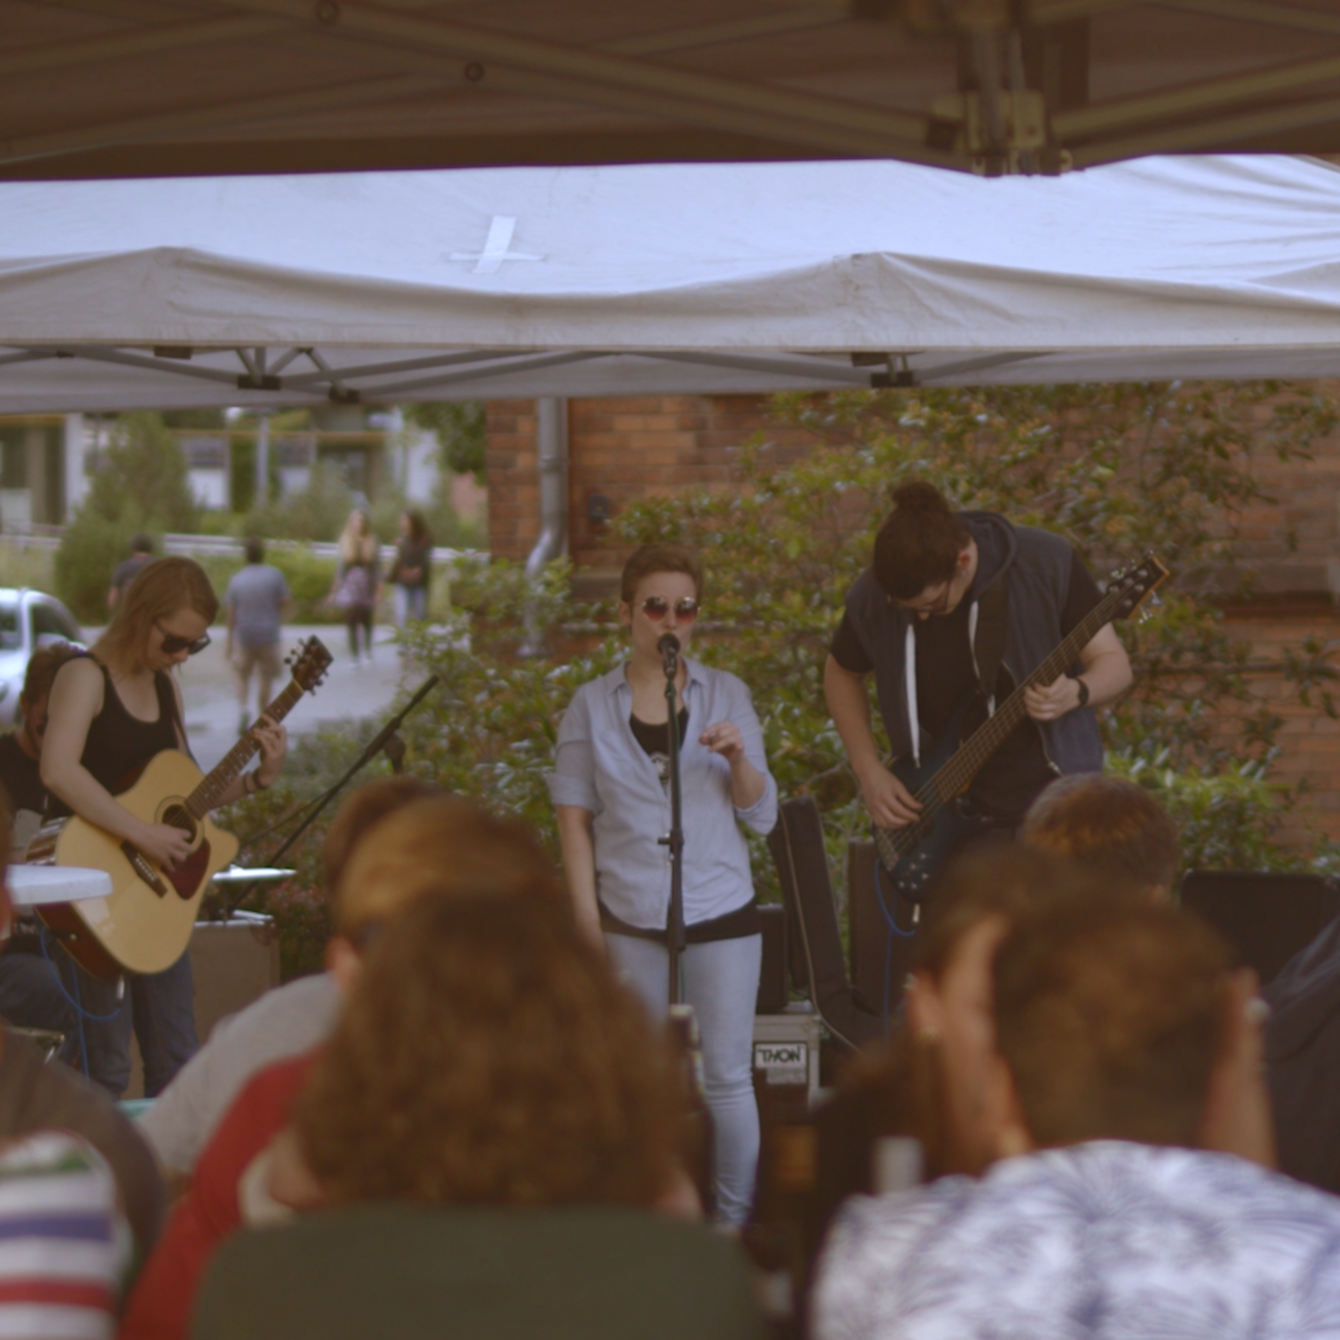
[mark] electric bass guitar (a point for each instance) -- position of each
(145, 923)
(912, 855)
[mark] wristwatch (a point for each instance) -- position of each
(1083, 691)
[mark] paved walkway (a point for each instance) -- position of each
(349, 692)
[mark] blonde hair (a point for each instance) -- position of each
(159, 590)
(357, 542)
(488, 1054)
(446, 844)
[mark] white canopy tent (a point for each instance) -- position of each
(491, 283)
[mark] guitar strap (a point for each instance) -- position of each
(993, 610)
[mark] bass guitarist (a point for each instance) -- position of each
(956, 609)
(109, 713)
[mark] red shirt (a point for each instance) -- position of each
(160, 1304)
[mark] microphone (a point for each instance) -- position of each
(668, 646)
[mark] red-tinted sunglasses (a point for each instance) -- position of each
(657, 607)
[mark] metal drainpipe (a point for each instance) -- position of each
(551, 413)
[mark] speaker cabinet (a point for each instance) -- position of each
(881, 957)
(1267, 917)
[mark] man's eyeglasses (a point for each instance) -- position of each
(657, 607)
(172, 644)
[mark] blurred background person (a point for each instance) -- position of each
(412, 568)
(255, 603)
(141, 555)
(357, 582)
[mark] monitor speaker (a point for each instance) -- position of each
(1267, 917)
(772, 992)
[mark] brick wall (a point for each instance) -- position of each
(620, 449)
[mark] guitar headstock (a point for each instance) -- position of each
(1134, 586)
(309, 663)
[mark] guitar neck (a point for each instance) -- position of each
(957, 775)
(207, 795)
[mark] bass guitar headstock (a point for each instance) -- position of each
(309, 663)
(1133, 586)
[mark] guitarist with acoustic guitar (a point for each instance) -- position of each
(110, 713)
(957, 609)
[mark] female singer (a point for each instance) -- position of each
(109, 713)
(610, 787)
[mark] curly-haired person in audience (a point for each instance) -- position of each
(491, 1128)
(440, 845)
(1128, 1197)
(1108, 825)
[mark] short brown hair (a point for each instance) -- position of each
(160, 589)
(443, 843)
(42, 667)
(1110, 1020)
(653, 558)
(919, 542)
(1005, 880)
(1107, 824)
(361, 810)
(488, 1054)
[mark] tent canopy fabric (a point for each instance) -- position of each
(139, 88)
(714, 278)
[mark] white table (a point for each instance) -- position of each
(38, 885)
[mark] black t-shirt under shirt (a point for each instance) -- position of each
(1018, 770)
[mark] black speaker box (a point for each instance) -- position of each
(1267, 917)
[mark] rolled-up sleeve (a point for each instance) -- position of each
(573, 780)
(761, 816)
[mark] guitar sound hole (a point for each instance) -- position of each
(180, 817)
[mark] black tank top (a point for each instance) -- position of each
(118, 745)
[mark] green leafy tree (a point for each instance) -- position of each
(461, 429)
(140, 483)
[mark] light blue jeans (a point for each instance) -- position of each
(721, 983)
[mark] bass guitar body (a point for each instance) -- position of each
(145, 923)
(915, 854)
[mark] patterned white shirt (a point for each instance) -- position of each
(1099, 1241)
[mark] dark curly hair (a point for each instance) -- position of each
(489, 1055)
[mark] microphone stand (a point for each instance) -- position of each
(385, 741)
(674, 931)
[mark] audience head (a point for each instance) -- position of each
(254, 549)
(920, 543)
(1109, 825)
(141, 544)
(1126, 1023)
(442, 845)
(489, 1055)
(361, 809)
(413, 525)
(357, 542)
(944, 1061)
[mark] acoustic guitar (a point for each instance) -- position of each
(145, 923)
(912, 855)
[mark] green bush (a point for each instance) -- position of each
(317, 512)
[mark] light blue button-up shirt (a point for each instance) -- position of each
(600, 767)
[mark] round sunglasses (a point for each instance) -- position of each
(657, 607)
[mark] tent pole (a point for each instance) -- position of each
(551, 416)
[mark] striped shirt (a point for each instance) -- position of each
(64, 1246)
